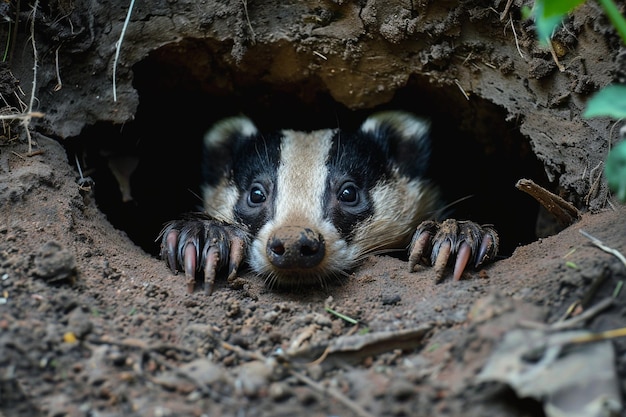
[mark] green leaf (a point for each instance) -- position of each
(610, 101)
(549, 14)
(545, 25)
(559, 7)
(615, 170)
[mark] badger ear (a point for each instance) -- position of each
(226, 130)
(404, 136)
(221, 143)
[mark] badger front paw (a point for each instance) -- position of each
(198, 243)
(433, 243)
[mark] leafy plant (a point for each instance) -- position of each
(615, 170)
(609, 101)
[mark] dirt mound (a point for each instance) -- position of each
(92, 323)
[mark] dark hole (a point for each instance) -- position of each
(478, 155)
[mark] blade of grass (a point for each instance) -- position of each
(615, 17)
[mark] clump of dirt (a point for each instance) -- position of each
(91, 323)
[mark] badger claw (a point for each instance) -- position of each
(433, 244)
(199, 244)
(190, 260)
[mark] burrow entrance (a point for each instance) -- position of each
(478, 155)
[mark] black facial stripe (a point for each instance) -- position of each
(217, 162)
(411, 156)
(356, 158)
(256, 159)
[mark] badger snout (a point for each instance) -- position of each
(295, 247)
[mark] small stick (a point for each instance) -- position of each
(118, 46)
(605, 248)
(564, 212)
(519, 51)
(353, 406)
(595, 337)
(245, 9)
(26, 121)
(507, 7)
(58, 72)
(572, 322)
(21, 116)
(555, 57)
(458, 84)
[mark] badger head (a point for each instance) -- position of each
(315, 203)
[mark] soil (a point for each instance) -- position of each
(92, 323)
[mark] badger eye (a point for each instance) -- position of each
(348, 194)
(257, 195)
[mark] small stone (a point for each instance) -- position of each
(53, 263)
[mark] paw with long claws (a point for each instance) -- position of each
(198, 244)
(434, 243)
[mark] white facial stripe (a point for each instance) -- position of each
(301, 182)
(399, 206)
(219, 201)
(301, 177)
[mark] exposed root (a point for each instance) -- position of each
(118, 46)
(565, 213)
(519, 51)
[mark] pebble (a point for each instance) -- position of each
(54, 263)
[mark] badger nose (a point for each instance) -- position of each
(293, 247)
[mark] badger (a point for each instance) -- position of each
(305, 208)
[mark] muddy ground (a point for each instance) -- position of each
(92, 323)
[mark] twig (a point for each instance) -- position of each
(21, 116)
(26, 120)
(572, 322)
(555, 56)
(605, 248)
(596, 337)
(245, 9)
(594, 184)
(519, 51)
(565, 213)
(118, 46)
(18, 155)
(458, 84)
(507, 7)
(333, 393)
(58, 72)
(320, 55)
(584, 316)
(618, 288)
(613, 126)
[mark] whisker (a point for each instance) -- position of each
(270, 280)
(194, 194)
(440, 212)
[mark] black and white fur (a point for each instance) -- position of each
(304, 207)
